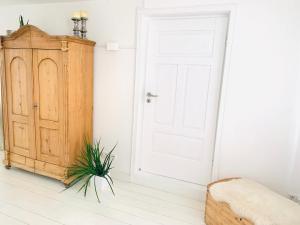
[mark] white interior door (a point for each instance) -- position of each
(184, 63)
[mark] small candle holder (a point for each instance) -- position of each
(83, 30)
(76, 29)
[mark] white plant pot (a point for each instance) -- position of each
(101, 183)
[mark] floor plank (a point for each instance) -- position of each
(5, 219)
(26, 198)
(25, 216)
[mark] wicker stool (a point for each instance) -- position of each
(220, 213)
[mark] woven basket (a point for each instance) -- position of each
(220, 213)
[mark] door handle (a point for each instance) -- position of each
(150, 95)
(35, 105)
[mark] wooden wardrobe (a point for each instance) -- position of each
(47, 100)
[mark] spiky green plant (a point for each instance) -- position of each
(92, 162)
(21, 21)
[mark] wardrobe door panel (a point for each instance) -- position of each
(19, 82)
(48, 90)
(49, 102)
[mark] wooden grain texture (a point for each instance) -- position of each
(32, 37)
(49, 105)
(80, 98)
(19, 82)
(47, 100)
(220, 213)
(6, 160)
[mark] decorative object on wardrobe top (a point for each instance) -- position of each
(21, 24)
(80, 18)
(21, 21)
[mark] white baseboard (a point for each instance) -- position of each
(119, 175)
(185, 189)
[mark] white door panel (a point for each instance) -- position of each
(166, 81)
(195, 85)
(196, 43)
(184, 69)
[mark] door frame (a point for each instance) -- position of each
(143, 16)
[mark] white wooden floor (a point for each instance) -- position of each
(26, 198)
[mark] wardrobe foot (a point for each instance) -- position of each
(7, 167)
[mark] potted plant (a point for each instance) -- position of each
(93, 165)
(21, 24)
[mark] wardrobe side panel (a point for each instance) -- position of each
(80, 98)
(4, 107)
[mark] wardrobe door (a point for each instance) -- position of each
(49, 105)
(19, 82)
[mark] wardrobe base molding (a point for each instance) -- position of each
(38, 167)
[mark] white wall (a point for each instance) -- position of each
(108, 19)
(294, 181)
(259, 117)
(258, 131)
